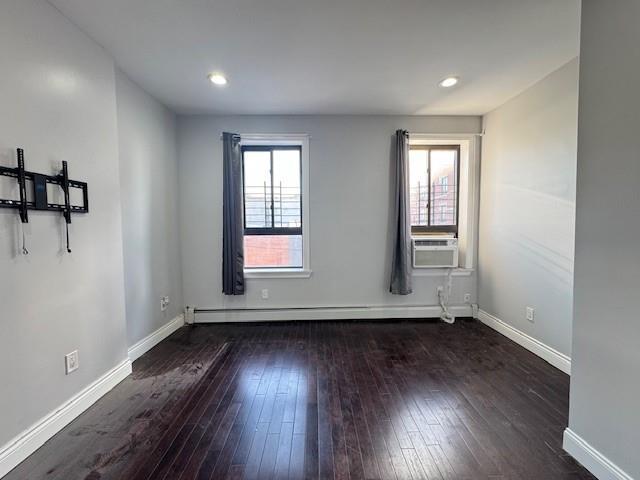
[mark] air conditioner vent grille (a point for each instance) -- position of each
(429, 243)
(434, 258)
(435, 252)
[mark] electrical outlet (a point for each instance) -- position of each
(164, 303)
(71, 362)
(530, 314)
(467, 298)
(265, 293)
(189, 315)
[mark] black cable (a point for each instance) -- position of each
(68, 246)
(24, 241)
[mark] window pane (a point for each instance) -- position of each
(286, 188)
(262, 251)
(418, 186)
(257, 189)
(443, 187)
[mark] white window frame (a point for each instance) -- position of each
(301, 140)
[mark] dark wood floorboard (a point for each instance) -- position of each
(323, 400)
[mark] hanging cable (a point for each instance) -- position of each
(68, 245)
(24, 240)
(443, 299)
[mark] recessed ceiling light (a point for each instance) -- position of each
(217, 79)
(449, 82)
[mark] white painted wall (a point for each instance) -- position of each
(150, 227)
(605, 386)
(527, 209)
(57, 97)
(350, 203)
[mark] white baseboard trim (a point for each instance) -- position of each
(327, 313)
(592, 459)
(27, 442)
(147, 343)
(551, 355)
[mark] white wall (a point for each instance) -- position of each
(57, 97)
(605, 386)
(527, 209)
(350, 202)
(150, 227)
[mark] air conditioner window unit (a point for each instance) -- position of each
(435, 252)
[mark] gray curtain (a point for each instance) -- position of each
(232, 228)
(401, 266)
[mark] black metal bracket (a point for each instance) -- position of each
(40, 200)
(40, 181)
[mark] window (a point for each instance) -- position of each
(273, 208)
(433, 182)
(444, 184)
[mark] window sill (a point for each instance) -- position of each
(441, 272)
(277, 273)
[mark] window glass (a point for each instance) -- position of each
(433, 189)
(444, 184)
(272, 207)
(443, 199)
(257, 189)
(286, 188)
(272, 251)
(418, 186)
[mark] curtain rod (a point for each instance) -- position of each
(480, 134)
(281, 135)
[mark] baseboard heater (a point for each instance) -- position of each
(275, 309)
(364, 312)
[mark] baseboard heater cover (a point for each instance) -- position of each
(325, 312)
(345, 307)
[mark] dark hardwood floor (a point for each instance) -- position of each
(323, 400)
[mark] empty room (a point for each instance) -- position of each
(305, 239)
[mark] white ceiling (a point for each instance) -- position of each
(333, 56)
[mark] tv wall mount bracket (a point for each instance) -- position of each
(39, 197)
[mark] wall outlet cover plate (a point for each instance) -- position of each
(71, 362)
(530, 314)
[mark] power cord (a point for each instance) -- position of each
(443, 299)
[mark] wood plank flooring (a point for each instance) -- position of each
(323, 400)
